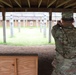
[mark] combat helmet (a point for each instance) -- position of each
(67, 16)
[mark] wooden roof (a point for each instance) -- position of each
(38, 4)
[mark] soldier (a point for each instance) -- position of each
(65, 41)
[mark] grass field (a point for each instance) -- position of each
(26, 37)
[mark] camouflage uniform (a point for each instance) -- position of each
(65, 59)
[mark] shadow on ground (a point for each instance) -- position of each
(45, 67)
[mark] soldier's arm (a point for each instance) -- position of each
(54, 30)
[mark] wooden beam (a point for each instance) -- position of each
(36, 9)
(18, 3)
(10, 2)
(28, 2)
(57, 2)
(74, 7)
(72, 4)
(16, 67)
(6, 3)
(51, 3)
(26, 9)
(39, 3)
(1, 6)
(63, 3)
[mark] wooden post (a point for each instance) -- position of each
(4, 26)
(50, 20)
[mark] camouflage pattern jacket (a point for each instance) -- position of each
(65, 59)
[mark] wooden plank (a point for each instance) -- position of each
(64, 2)
(22, 65)
(39, 3)
(28, 3)
(6, 67)
(16, 68)
(27, 66)
(18, 3)
(15, 56)
(73, 4)
(51, 3)
(1, 5)
(6, 3)
(37, 66)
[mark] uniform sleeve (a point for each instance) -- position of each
(54, 30)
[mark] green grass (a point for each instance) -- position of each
(26, 37)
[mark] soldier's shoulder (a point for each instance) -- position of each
(56, 26)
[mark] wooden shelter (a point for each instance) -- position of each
(35, 6)
(14, 65)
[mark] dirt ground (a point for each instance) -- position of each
(45, 55)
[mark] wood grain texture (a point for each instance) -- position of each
(18, 65)
(27, 66)
(7, 67)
